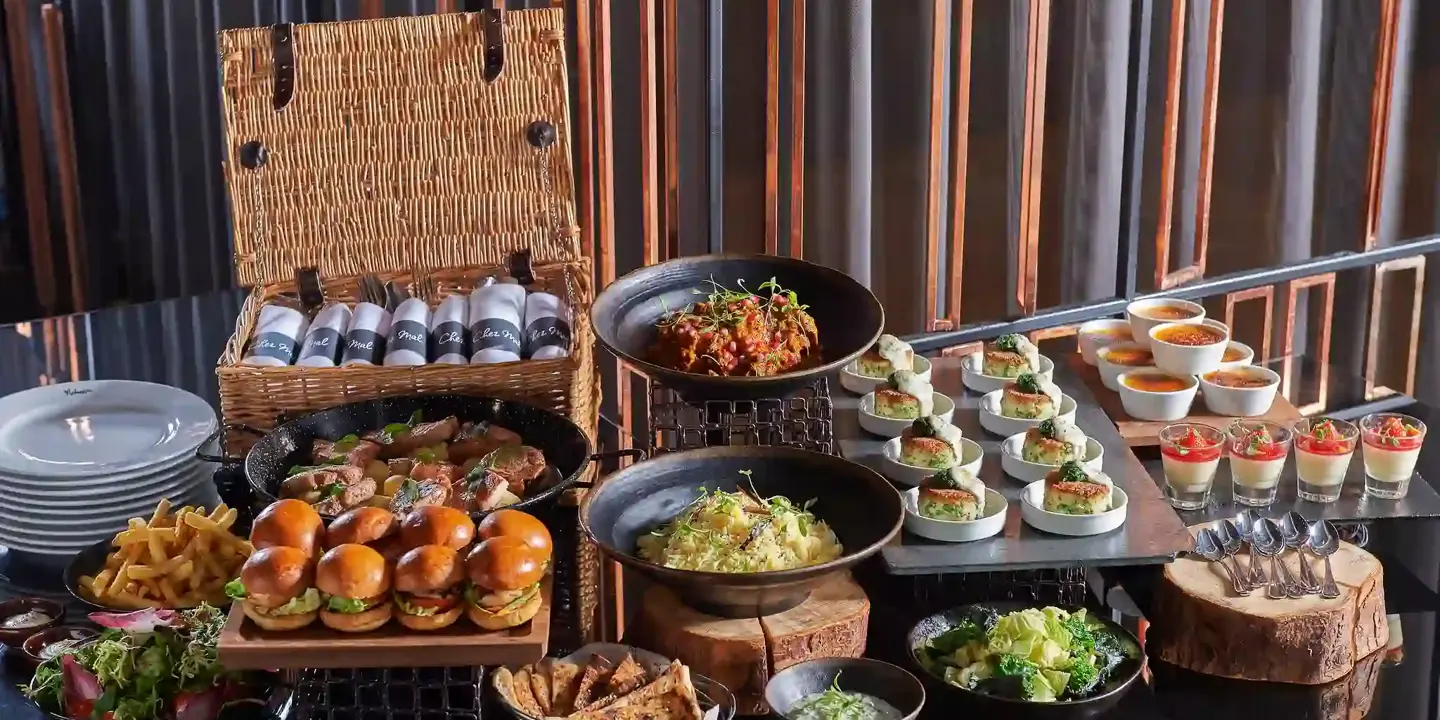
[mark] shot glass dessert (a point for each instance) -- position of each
(1392, 446)
(1257, 456)
(1323, 448)
(1191, 454)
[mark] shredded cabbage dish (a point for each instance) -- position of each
(740, 532)
(1039, 655)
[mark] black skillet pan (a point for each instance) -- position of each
(847, 316)
(859, 505)
(567, 449)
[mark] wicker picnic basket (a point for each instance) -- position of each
(423, 150)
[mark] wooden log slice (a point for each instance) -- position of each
(1201, 625)
(743, 653)
(1185, 694)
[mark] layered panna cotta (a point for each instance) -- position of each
(904, 397)
(1073, 490)
(1030, 397)
(1392, 446)
(889, 354)
(1322, 455)
(1256, 459)
(1010, 356)
(1191, 460)
(930, 442)
(953, 494)
(1053, 442)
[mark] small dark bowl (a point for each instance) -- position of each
(88, 562)
(30, 651)
(11, 608)
(847, 316)
(1109, 695)
(877, 679)
(856, 502)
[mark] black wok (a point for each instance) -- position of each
(859, 505)
(1105, 697)
(566, 447)
(847, 315)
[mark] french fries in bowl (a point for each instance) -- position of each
(178, 558)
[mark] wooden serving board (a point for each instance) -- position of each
(743, 653)
(1145, 433)
(1200, 624)
(244, 646)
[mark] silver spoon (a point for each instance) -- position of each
(1208, 545)
(1293, 588)
(1267, 542)
(1324, 541)
(1297, 532)
(1231, 543)
(1244, 523)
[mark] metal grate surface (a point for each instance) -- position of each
(387, 694)
(803, 420)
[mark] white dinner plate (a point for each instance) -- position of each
(944, 408)
(972, 364)
(74, 523)
(906, 474)
(99, 427)
(852, 380)
(1028, 472)
(125, 497)
(989, 524)
(997, 424)
(62, 488)
(1032, 509)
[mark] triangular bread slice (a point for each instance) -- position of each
(564, 681)
(540, 684)
(597, 673)
(525, 695)
(670, 697)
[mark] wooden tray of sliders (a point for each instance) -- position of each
(1146, 433)
(244, 646)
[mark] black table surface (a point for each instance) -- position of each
(177, 343)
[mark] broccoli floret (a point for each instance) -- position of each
(1082, 639)
(1083, 677)
(947, 643)
(1108, 652)
(1018, 668)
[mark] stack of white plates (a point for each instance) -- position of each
(78, 460)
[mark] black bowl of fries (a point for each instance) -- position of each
(174, 560)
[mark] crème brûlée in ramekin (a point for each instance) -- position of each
(1392, 448)
(1256, 459)
(1191, 461)
(1322, 456)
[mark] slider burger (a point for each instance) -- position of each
(356, 581)
(504, 589)
(373, 526)
(276, 590)
(288, 523)
(518, 524)
(427, 587)
(437, 525)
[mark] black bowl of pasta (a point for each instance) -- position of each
(742, 531)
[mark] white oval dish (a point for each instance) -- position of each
(891, 427)
(970, 374)
(971, 457)
(1242, 402)
(988, 525)
(861, 384)
(1026, 471)
(1109, 371)
(1090, 340)
(1140, 325)
(1188, 359)
(994, 422)
(1032, 509)
(1156, 406)
(1242, 362)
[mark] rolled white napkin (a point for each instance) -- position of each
(450, 332)
(547, 327)
(496, 313)
(276, 340)
(365, 340)
(325, 341)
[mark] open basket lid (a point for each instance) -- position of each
(384, 145)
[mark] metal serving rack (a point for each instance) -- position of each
(803, 420)
(434, 693)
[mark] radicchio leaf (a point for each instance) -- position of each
(198, 706)
(139, 621)
(80, 687)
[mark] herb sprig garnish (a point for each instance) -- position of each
(1029, 384)
(1008, 343)
(1073, 471)
(715, 311)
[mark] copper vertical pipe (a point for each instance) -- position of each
(1372, 344)
(670, 28)
(959, 155)
(32, 161)
(1031, 162)
(585, 109)
(1287, 339)
(1266, 293)
(772, 126)
(1207, 136)
(372, 9)
(1380, 101)
(1169, 139)
(797, 129)
(67, 177)
(934, 202)
(444, 6)
(649, 138)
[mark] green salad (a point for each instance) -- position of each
(1039, 655)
